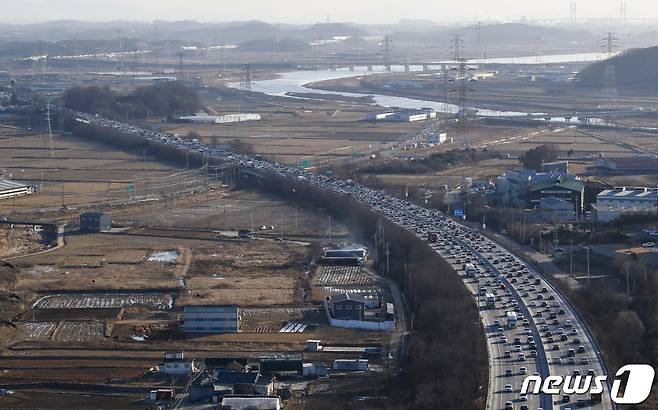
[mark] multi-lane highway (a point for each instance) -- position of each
(549, 337)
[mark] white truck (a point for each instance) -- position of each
(511, 320)
(491, 300)
(470, 270)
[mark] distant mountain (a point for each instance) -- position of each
(269, 45)
(184, 30)
(498, 35)
(636, 71)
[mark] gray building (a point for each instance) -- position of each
(211, 319)
(95, 222)
(348, 306)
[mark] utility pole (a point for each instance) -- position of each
(388, 253)
(571, 259)
(588, 274)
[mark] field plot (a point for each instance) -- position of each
(82, 172)
(126, 256)
(342, 276)
(36, 330)
(80, 331)
(108, 301)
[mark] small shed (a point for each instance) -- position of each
(315, 369)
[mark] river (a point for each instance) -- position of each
(297, 82)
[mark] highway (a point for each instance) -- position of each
(549, 326)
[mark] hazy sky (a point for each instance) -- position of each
(310, 11)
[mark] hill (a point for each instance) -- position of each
(636, 72)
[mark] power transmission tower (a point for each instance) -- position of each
(622, 11)
(479, 41)
(572, 12)
(245, 98)
(386, 50)
(609, 76)
(181, 67)
(50, 131)
(457, 43)
(462, 91)
(246, 88)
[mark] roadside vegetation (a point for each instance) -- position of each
(166, 99)
(444, 360)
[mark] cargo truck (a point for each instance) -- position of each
(491, 300)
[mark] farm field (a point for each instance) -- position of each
(81, 172)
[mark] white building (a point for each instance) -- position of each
(211, 319)
(437, 138)
(175, 364)
(613, 203)
(220, 119)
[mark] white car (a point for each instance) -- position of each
(508, 388)
(649, 244)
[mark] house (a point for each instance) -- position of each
(347, 306)
(175, 364)
(95, 222)
(240, 382)
(211, 319)
(245, 382)
(282, 366)
(613, 203)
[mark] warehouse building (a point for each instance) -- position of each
(12, 189)
(569, 190)
(95, 222)
(613, 203)
(629, 165)
(347, 306)
(211, 319)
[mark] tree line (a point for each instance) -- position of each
(165, 99)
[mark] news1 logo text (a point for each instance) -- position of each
(631, 384)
